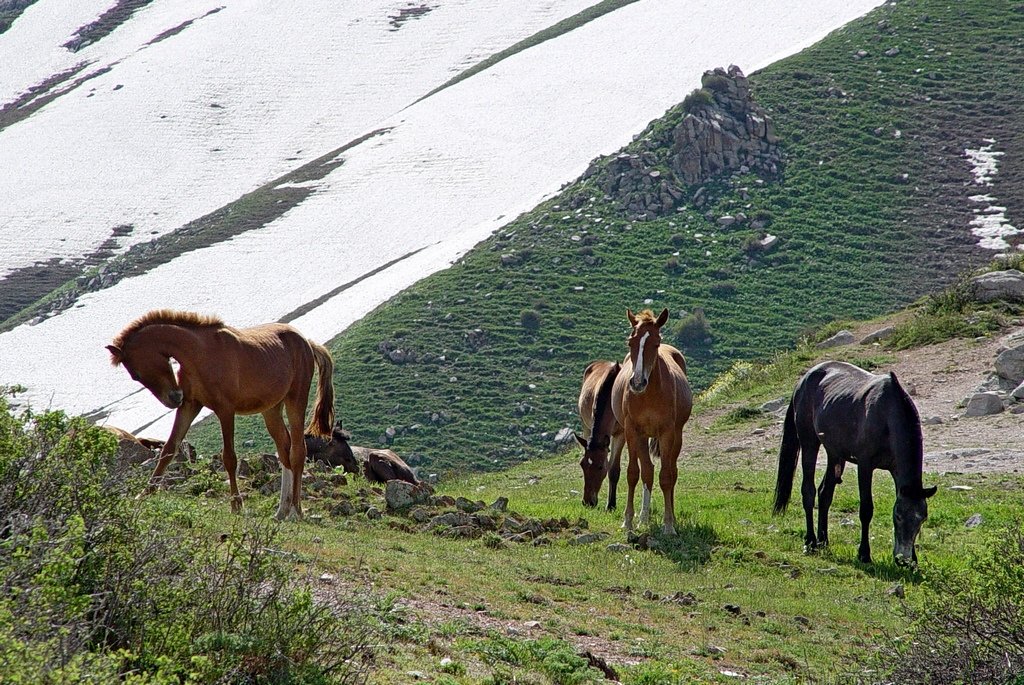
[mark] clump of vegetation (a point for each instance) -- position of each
(968, 627)
(951, 313)
(698, 99)
(96, 587)
(693, 329)
(529, 319)
(556, 659)
(672, 265)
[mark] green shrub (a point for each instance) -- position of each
(529, 319)
(968, 626)
(692, 330)
(106, 589)
(698, 99)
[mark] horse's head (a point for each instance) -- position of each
(910, 512)
(150, 367)
(341, 452)
(595, 467)
(643, 344)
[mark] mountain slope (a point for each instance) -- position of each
(249, 200)
(873, 209)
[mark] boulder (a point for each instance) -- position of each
(840, 338)
(879, 335)
(400, 494)
(984, 404)
(998, 285)
(1010, 364)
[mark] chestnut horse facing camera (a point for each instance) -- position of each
(265, 369)
(651, 398)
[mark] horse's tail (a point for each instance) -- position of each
(322, 420)
(788, 455)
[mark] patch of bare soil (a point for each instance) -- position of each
(939, 378)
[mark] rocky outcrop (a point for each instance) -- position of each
(719, 131)
(1005, 285)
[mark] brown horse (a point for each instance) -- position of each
(261, 370)
(651, 398)
(600, 432)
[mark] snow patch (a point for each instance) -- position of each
(990, 224)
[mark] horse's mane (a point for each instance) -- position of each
(646, 316)
(907, 428)
(602, 402)
(165, 316)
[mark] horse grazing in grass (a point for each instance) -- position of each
(264, 370)
(651, 398)
(600, 432)
(865, 419)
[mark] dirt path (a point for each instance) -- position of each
(939, 377)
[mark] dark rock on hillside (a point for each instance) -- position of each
(722, 132)
(1005, 285)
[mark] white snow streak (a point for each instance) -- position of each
(452, 169)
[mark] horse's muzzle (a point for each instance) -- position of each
(638, 386)
(174, 399)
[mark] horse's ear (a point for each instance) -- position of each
(115, 354)
(580, 440)
(892, 375)
(631, 317)
(662, 318)
(928, 492)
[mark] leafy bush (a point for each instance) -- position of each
(96, 588)
(692, 330)
(555, 659)
(969, 628)
(529, 319)
(698, 99)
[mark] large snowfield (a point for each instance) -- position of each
(180, 127)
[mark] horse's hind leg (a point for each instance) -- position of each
(282, 440)
(230, 459)
(296, 411)
(618, 441)
(825, 491)
(809, 455)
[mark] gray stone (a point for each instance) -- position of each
(984, 404)
(768, 242)
(587, 538)
(1018, 392)
(500, 504)
(840, 338)
(373, 513)
(973, 521)
(564, 436)
(1010, 365)
(775, 405)
(932, 421)
(999, 285)
(619, 547)
(399, 494)
(879, 335)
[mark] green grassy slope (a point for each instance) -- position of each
(871, 211)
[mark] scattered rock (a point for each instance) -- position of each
(998, 285)
(973, 521)
(619, 547)
(897, 590)
(399, 494)
(588, 538)
(984, 404)
(879, 335)
(802, 620)
(932, 421)
(373, 513)
(840, 338)
(733, 609)
(775, 405)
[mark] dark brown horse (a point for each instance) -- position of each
(264, 370)
(600, 432)
(865, 419)
(651, 398)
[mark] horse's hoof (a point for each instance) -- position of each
(668, 529)
(811, 548)
(236, 506)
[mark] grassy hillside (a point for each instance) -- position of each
(871, 209)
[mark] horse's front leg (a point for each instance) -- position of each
(229, 458)
(670, 444)
(867, 511)
(647, 478)
(618, 441)
(183, 418)
(825, 492)
(632, 477)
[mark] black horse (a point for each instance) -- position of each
(868, 420)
